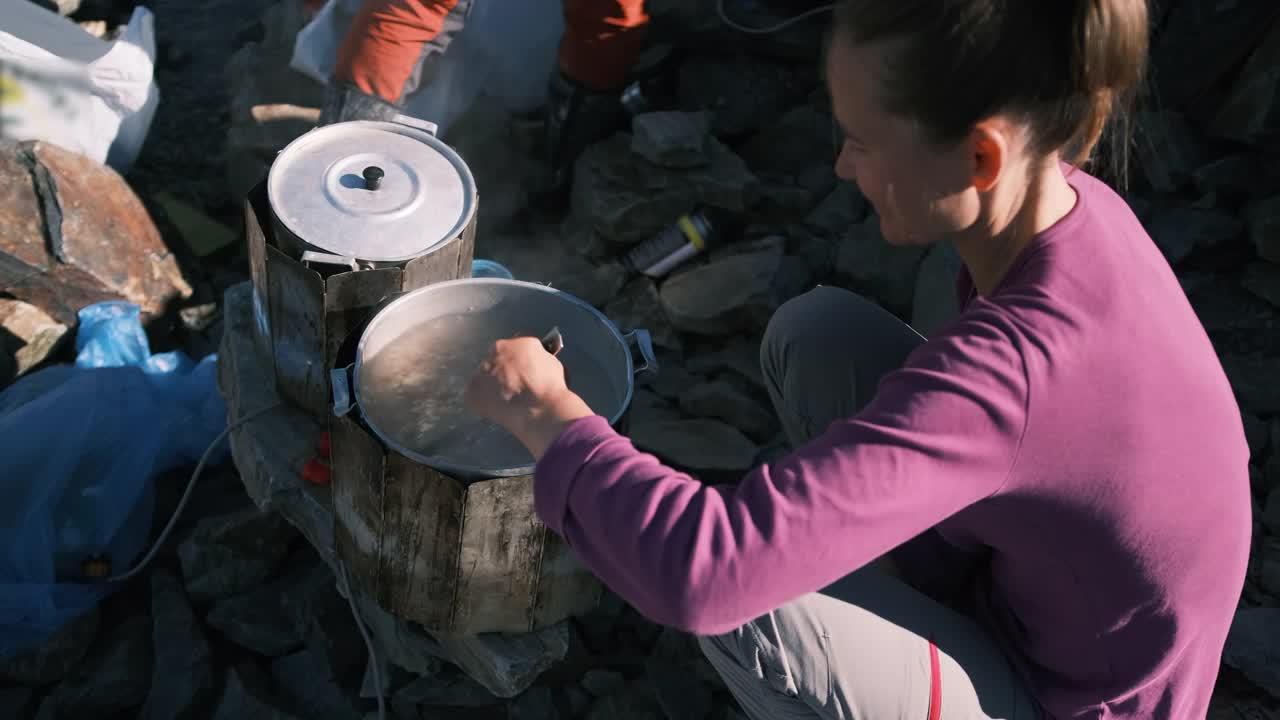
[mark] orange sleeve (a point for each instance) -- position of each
(385, 43)
(602, 39)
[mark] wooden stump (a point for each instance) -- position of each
(269, 452)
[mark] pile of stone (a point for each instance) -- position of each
(241, 618)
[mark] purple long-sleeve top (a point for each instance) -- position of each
(1074, 427)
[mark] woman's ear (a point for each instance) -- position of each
(990, 147)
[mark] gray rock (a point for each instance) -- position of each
(115, 675)
(1271, 513)
(627, 199)
(578, 700)
(28, 335)
(934, 303)
(257, 621)
(635, 702)
(802, 139)
(1181, 230)
(596, 285)
(184, 682)
(873, 267)
(535, 703)
(15, 702)
(246, 695)
(671, 380)
(1253, 378)
(721, 400)
(448, 689)
(1251, 110)
(843, 208)
(231, 553)
(732, 295)
(638, 306)
(1263, 279)
(779, 198)
(1242, 174)
(275, 618)
(1168, 150)
(740, 355)
(647, 406)
(1269, 562)
(1257, 432)
(675, 140)
(1253, 647)
(306, 685)
(56, 656)
(699, 444)
(1264, 228)
(680, 694)
(744, 92)
(601, 683)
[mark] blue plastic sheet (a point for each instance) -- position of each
(81, 446)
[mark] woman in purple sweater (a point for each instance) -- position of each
(1041, 511)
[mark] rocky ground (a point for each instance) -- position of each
(239, 618)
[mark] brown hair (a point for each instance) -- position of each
(1071, 68)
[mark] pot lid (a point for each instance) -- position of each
(371, 190)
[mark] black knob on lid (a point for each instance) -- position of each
(373, 177)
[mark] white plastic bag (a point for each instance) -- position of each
(507, 50)
(61, 85)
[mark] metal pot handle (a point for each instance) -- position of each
(311, 256)
(424, 125)
(644, 343)
(343, 400)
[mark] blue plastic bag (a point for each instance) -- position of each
(81, 445)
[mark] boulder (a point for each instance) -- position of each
(721, 400)
(674, 140)
(626, 199)
(56, 656)
(638, 306)
(873, 267)
(1251, 111)
(73, 233)
(1168, 151)
(934, 302)
(1179, 231)
(1252, 648)
(184, 681)
(115, 675)
(699, 444)
(732, 295)
(247, 694)
(232, 553)
(1253, 377)
(743, 92)
(1264, 227)
(1263, 279)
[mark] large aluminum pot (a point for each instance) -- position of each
(415, 356)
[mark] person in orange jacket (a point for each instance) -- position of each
(388, 53)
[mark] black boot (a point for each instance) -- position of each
(575, 119)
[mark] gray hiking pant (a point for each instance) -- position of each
(861, 647)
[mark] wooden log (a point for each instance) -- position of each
(270, 450)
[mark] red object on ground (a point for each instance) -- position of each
(316, 472)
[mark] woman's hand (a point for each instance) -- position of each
(521, 388)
